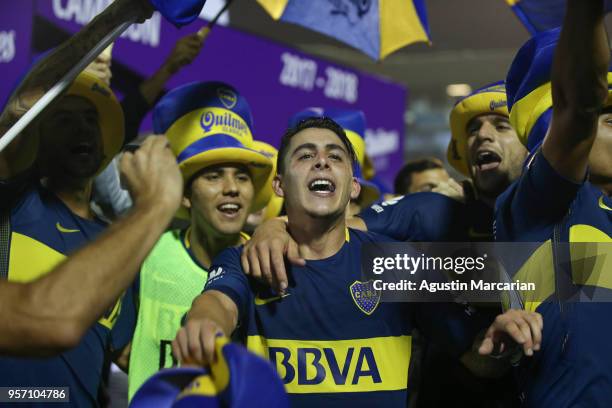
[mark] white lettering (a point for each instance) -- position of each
(298, 72)
(380, 142)
(59, 10)
(83, 11)
(80, 11)
(341, 85)
(147, 33)
(7, 46)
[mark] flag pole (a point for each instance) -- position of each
(61, 85)
(203, 32)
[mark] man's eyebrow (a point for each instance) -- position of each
(501, 119)
(334, 146)
(310, 146)
(210, 170)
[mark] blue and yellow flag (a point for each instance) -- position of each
(542, 15)
(238, 378)
(179, 13)
(375, 27)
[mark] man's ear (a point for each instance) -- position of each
(277, 186)
(355, 189)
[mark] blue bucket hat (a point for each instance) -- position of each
(209, 123)
(354, 124)
(529, 88)
(238, 378)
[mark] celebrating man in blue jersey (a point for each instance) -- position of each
(484, 147)
(561, 108)
(331, 340)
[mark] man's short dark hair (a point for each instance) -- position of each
(317, 123)
(403, 180)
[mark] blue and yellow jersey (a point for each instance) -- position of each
(430, 217)
(574, 367)
(331, 339)
(433, 217)
(43, 233)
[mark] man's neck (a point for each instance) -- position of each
(486, 197)
(76, 196)
(318, 238)
(206, 245)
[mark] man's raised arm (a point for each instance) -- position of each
(579, 88)
(51, 314)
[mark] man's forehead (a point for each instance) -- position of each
(432, 172)
(487, 117)
(315, 136)
(229, 167)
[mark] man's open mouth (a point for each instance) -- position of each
(229, 209)
(487, 160)
(322, 186)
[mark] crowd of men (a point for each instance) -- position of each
(175, 270)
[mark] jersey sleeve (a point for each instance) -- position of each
(426, 217)
(15, 192)
(226, 276)
(537, 200)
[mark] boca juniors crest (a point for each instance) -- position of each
(365, 296)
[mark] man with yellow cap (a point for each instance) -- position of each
(34, 320)
(209, 128)
(48, 218)
(484, 148)
(47, 174)
(562, 110)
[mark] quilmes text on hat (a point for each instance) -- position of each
(210, 123)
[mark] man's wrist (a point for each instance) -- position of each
(158, 210)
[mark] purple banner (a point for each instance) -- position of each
(15, 43)
(276, 80)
